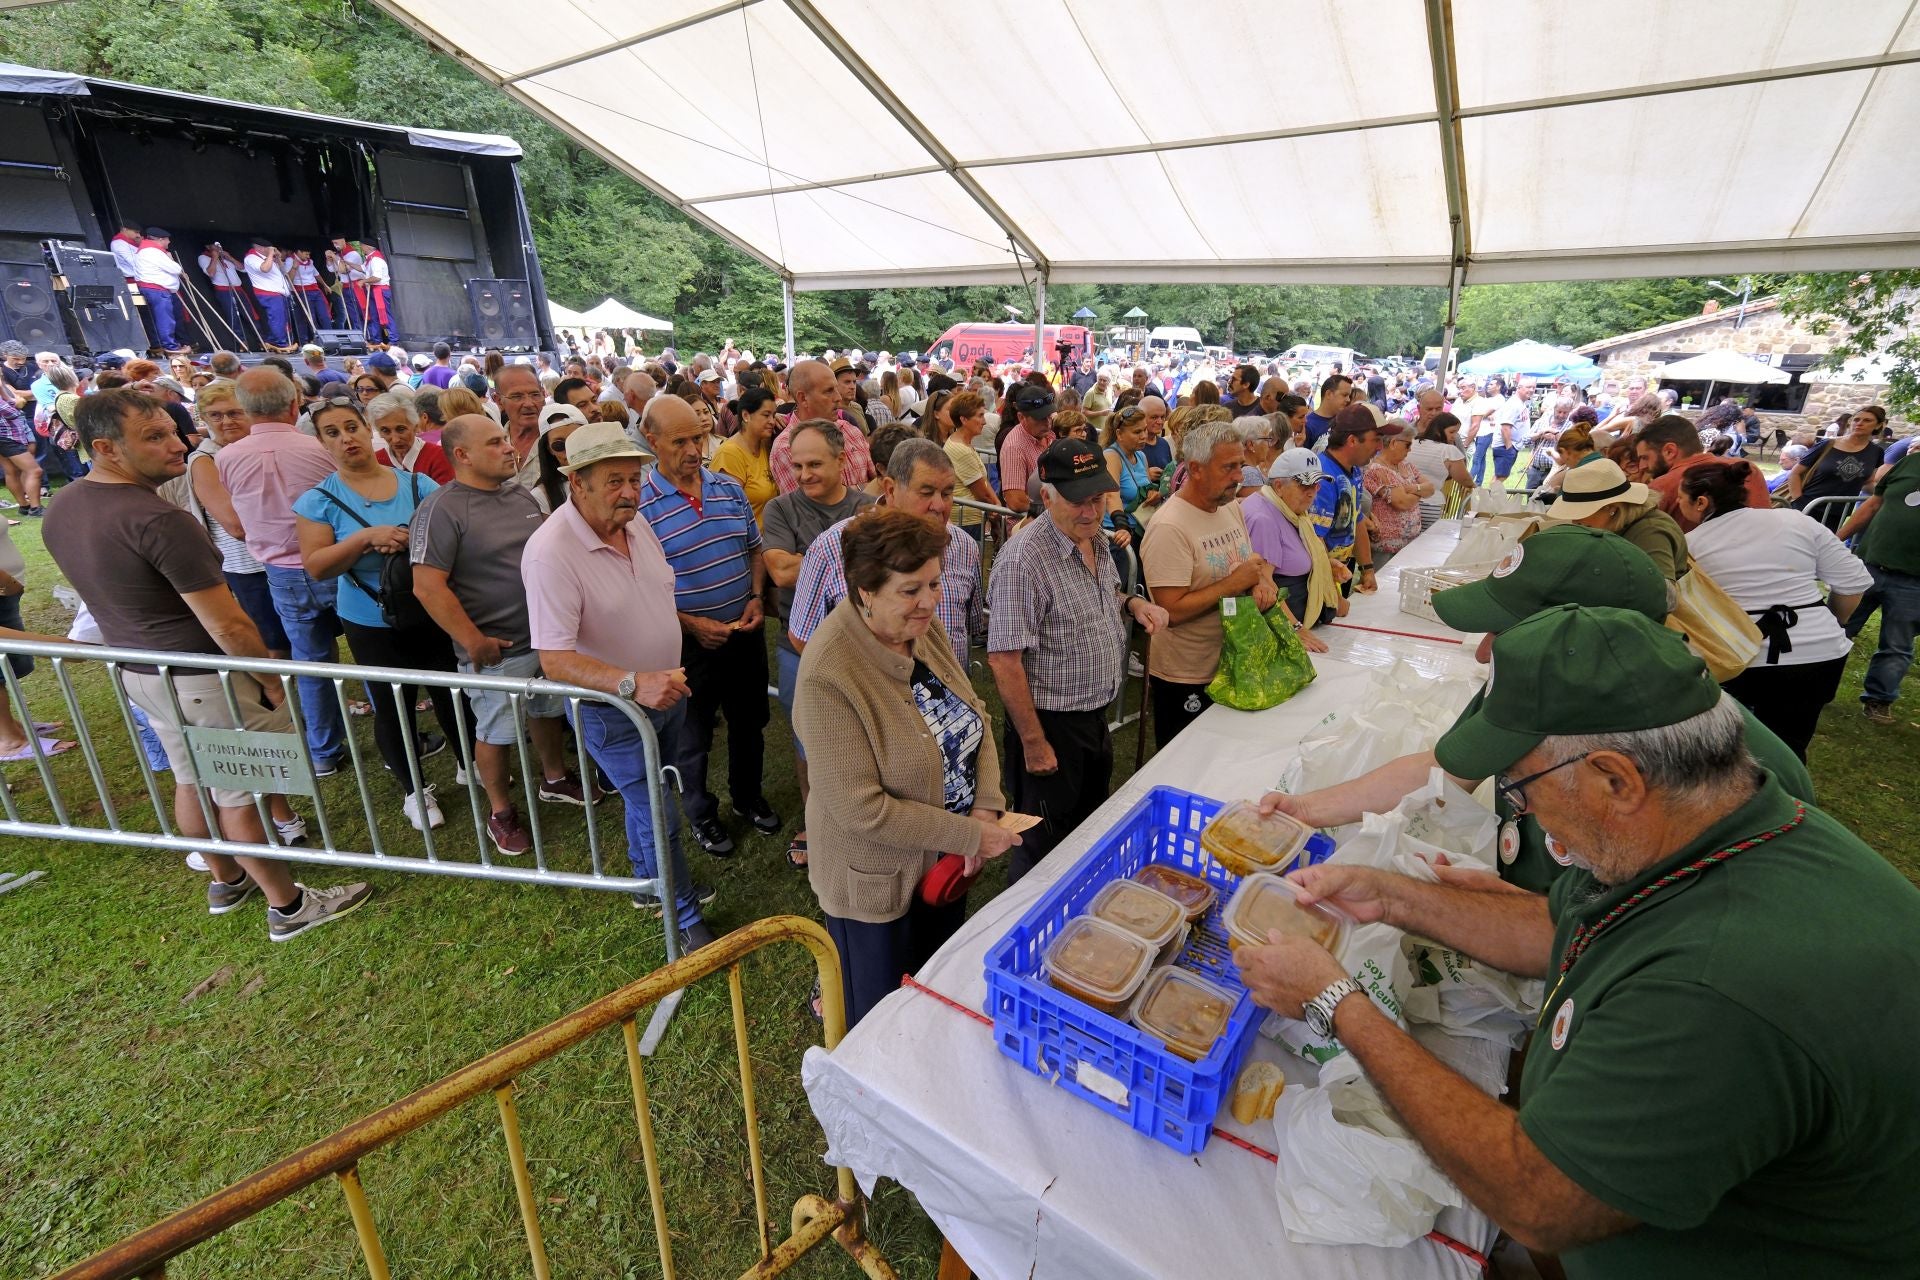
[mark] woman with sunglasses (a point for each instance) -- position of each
(348, 525)
(557, 422)
(1126, 455)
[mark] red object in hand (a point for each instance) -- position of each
(947, 881)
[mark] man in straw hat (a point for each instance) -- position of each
(601, 609)
(1721, 1083)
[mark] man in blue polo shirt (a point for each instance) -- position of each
(1352, 442)
(706, 525)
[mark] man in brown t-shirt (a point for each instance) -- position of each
(152, 580)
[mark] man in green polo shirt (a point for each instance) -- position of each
(1567, 564)
(1722, 1082)
(1891, 549)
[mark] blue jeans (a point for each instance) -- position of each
(615, 746)
(789, 664)
(1899, 595)
(164, 312)
(1477, 468)
(273, 317)
(306, 612)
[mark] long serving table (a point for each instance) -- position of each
(1026, 1180)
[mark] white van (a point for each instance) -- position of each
(1172, 337)
(1312, 353)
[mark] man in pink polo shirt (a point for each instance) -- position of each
(264, 472)
(600, 604)
(1020, 451)
(817, 395)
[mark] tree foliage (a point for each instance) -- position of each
(1866, 313)
(601, 235)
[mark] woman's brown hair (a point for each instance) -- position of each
(883, 541)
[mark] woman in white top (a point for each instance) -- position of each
(1772, 561)
(1437, 456)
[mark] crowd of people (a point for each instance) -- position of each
(681, 536)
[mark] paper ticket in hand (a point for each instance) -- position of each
(1018, 822)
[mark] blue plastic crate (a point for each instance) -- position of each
(1119, 1069)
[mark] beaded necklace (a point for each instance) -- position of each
(1584, 935)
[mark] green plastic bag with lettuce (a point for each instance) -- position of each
(1262, 662)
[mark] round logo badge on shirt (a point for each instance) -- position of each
(1563, 1023)
(1913, 499)
(1558, 852)
(1509, 841)
(1511, 562)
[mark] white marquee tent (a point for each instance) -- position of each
(1409, 141)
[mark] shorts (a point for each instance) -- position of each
(21, 663)
(256, 601)
(11, 448)
(493, 709)
(205, 706)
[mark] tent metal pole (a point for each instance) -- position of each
(786, 312)
(1457, 276)
(1040, 322)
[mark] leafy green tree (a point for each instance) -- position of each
(1867, 313)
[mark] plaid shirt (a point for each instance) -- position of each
(13, 423)
(823, 584)
(1044, 604)
(856, 464)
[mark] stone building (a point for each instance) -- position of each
(1808, 403)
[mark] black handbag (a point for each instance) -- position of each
(393, 590)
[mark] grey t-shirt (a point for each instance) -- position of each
(792, 521)
(475, 536)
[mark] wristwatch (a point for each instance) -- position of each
(626, 686)
(1319, 1010)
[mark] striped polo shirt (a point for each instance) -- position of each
(710, 544)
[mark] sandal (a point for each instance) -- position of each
(797, 855)
(813, 1003)
(48, 746)
(356, 707)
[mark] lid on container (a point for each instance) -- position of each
(1145, 913)
(1263, 841)
(1099, 959)
(1183, 1009)
(1191, 892)
(1264, 903)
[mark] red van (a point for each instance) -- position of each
(1007, 343)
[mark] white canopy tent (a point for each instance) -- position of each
(1411, 141)
(564, 317)
(1730, 367)
(618, 315)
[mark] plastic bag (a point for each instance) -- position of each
(1717, 629)
(1349, 1173)
(1457, 993)
(1487, 541)
(1262, 662)
(1402, 712)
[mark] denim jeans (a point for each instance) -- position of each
(1477, 468)
(1899, 620)
(615, 746)
(306, 611)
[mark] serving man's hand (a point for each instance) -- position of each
(1287, 972)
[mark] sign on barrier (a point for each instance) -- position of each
(251, 760)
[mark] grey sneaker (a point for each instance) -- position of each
(695, 936)
(1878, 712)
(222, 898)
(320, 906)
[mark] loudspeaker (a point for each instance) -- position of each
(502, 314)
(88, 273)
(340, 342)
(29, 313)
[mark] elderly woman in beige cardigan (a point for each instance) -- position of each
(900, 752)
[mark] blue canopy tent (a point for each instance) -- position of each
(1534, 360)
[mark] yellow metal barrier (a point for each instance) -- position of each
(146, 1253)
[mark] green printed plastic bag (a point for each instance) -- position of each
(1262, 662)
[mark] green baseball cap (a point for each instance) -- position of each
(1567, 564)
(1576, 669)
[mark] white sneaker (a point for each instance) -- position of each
(1134, 666)
(197, 863)
(319, 906)
(293, 832)
(423, 798)
(459, 775)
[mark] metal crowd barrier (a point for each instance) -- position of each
(146, 1253)
(1844, 502)
(107, 818)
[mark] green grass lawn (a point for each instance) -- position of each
(126, 1100)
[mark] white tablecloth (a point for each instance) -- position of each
(1026, 1180)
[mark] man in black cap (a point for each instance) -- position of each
(1057, 644)
(1022, 446)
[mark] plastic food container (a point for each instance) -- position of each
(1145, 913)
(1264, 903)
(1098, 964)
(1184, 1010)
(1193, 894)
(1246, 841)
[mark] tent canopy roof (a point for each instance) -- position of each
(1722, 366)
(1535, 359)
(1408, 137)
(618, 315)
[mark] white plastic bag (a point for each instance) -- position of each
(1441, 818)
(1401, 713)
(1349, 1173)
(1455, 992)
